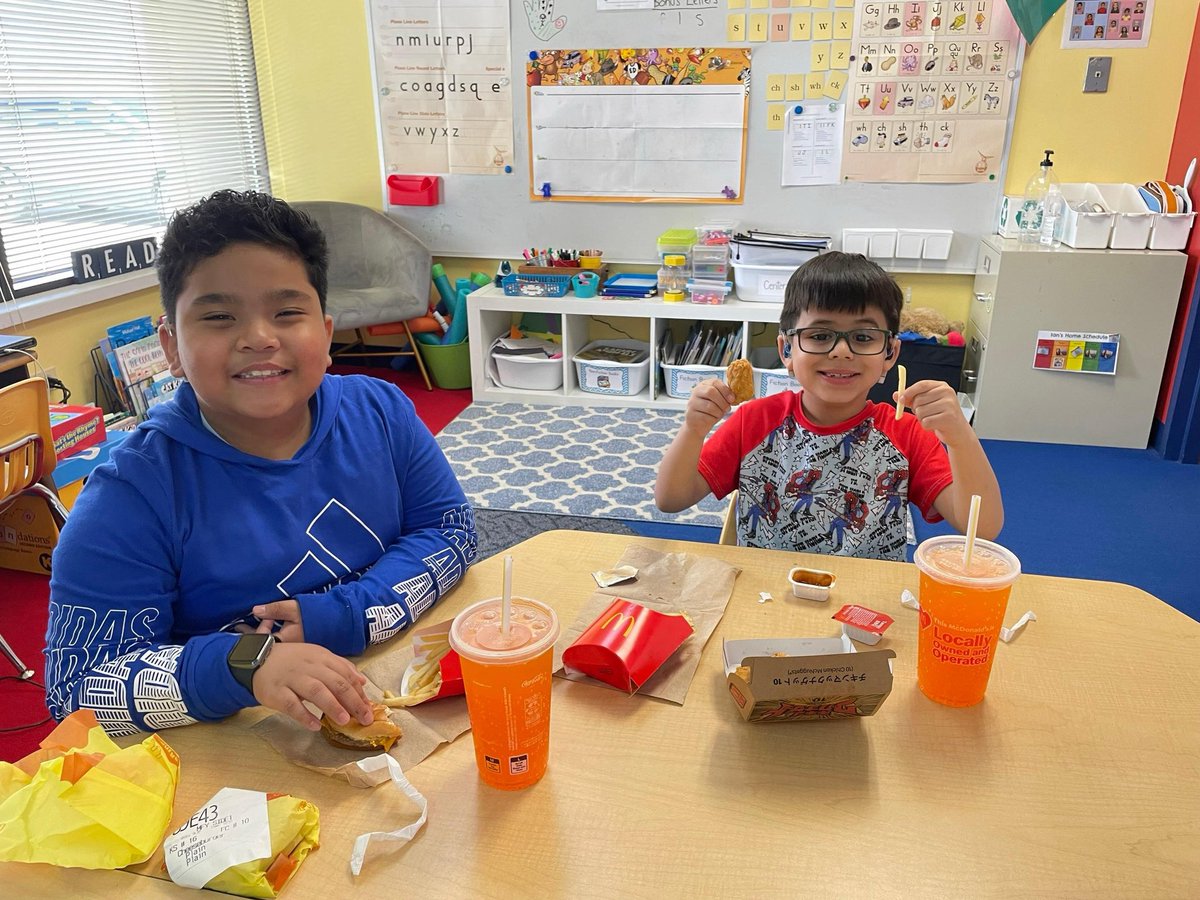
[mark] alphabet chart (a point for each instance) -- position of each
(442, 73)
(930, 90)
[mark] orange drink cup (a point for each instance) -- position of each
(961, 614)
(507, 681)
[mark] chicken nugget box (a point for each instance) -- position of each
(800, 679)
(75, 428)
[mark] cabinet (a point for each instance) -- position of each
(1021, 290)
(490, 314)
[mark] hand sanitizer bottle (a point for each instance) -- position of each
(1033, 207)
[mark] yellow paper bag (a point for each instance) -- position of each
(82, 801)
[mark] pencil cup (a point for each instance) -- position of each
(586, 284)
(589, 260)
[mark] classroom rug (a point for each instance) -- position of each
(499, 530)
(595, 462)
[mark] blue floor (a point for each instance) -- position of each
(1082, 512)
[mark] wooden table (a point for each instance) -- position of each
(1079, 774)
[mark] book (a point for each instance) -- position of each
(160, 389)
(128, 332)
(140, 359)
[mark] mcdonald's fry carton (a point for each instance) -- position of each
(790, 679)
(626, 644)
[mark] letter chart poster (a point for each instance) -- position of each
(444, 85)
(930, 91)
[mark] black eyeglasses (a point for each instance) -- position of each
(861, 341)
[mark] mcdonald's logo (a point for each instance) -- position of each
(616, 617)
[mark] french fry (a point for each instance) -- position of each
(425, 681)
(902, 374)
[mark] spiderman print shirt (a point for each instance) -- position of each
(841, 489)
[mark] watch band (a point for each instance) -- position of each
(249, 652)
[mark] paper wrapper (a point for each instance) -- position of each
(425, 727)
(82, 801)
(697, 586)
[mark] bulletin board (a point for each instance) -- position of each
(497, 215)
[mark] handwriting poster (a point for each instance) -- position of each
(444, 85)
(930, 90)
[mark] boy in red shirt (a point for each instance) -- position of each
(824, 470)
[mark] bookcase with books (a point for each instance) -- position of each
(131, 371)
(739, 326)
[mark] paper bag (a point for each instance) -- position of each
(82, 801)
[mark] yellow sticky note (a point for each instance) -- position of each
(795, 87)
(805, 3)
(835, 82)
(735, 28)
(839, 55)
(821, 3)
(775, 86)
(759, 4)
(822, 26)
(737, 4)
(801, 26)
(758, 26)
(775, 116)
(816, 85)
(820, 57)
(844, 3)
(843, 25)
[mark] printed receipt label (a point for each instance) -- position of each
(228, 830)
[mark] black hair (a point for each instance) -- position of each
(213, 223)
(841, 282)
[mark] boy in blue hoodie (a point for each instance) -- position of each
(267, 522)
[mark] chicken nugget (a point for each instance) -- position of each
(740, 378)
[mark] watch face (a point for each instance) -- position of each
(248, 649)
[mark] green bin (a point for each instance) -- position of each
(449, 364)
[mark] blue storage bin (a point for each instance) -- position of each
(517, 285)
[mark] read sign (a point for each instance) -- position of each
(115, 259)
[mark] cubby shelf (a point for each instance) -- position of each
(490, 310)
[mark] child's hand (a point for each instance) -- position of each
(710, 401)
(935, 404)
(296, 672)
(285, 611)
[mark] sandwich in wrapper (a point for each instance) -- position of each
(379, 735)
(254, 842)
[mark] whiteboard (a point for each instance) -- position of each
(493, 216)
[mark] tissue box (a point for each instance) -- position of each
(803, 679)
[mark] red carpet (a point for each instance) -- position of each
(24, 598)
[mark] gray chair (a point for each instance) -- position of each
(378, 273)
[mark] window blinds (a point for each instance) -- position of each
(113, 113)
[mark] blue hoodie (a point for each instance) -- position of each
(179, 535)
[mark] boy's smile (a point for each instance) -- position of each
(835, 383)
(250, 338)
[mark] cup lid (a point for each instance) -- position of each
(475, 632)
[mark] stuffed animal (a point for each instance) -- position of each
(923, 320)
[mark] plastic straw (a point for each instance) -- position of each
(972, 527)
(504, 615)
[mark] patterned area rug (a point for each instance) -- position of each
(498, 530)
(567, 460)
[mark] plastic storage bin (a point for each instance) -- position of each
(1132, 220)
(760, 252)
(1169, 231)
(599, 376)
(448, 364)
(529, 373)
(768, 379)
(709, 293)
(677, 240)
(516, 285)
(764, 284)
(710, 263)
(680, 380)
(1082, 229)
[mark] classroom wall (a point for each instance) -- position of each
(319, 124)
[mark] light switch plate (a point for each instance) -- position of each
(1095, 80)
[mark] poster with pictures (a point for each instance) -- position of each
(931, 87)
(1077, 351)
(1089, 24)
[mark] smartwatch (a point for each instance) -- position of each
(249, 652)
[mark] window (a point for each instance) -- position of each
(113, 113)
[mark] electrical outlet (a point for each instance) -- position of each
(1095, 79)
